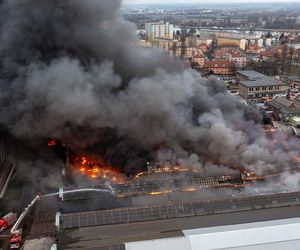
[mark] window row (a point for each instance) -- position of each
(264, 88)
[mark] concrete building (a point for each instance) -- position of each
(241, 43)
(187, 52)
(249, 75)
(159, 30)
(254, 85)
(164, 44)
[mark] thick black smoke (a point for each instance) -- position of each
(70, 70)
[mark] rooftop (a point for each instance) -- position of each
(265, 82)
(218, 64)
(252, 74)
(294, 78)
(276, 234)
(285, 105)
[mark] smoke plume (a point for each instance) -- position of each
(70, 70)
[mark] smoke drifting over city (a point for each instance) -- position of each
(69, 70)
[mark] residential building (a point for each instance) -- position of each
(187, 52)
(204, 47)
(199, 60)
(159, 30)
(232, 55)
(254, 49)
(219, 67)
(241, 43)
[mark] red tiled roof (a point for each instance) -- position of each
(218, 64)
(233, 52)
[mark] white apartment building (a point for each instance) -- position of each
(159, 30)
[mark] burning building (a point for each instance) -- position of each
(66, 74)
(69, 71)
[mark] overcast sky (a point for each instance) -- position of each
(204, 1)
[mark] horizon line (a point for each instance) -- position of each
(217, 2)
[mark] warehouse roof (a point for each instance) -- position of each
(276, 234)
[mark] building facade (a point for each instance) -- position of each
(159, 30)
(219, 67)
(199, 61)
(254, 85)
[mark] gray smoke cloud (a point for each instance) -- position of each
(70, 70)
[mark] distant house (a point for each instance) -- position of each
(203, 47)
(254, 49)
(232, 55)
(267, 56)
(199, 60)
(219, 67)
(254, 85)
(284, 109)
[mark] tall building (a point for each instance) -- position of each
(159, 30)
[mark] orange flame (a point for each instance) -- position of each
(97, 169)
